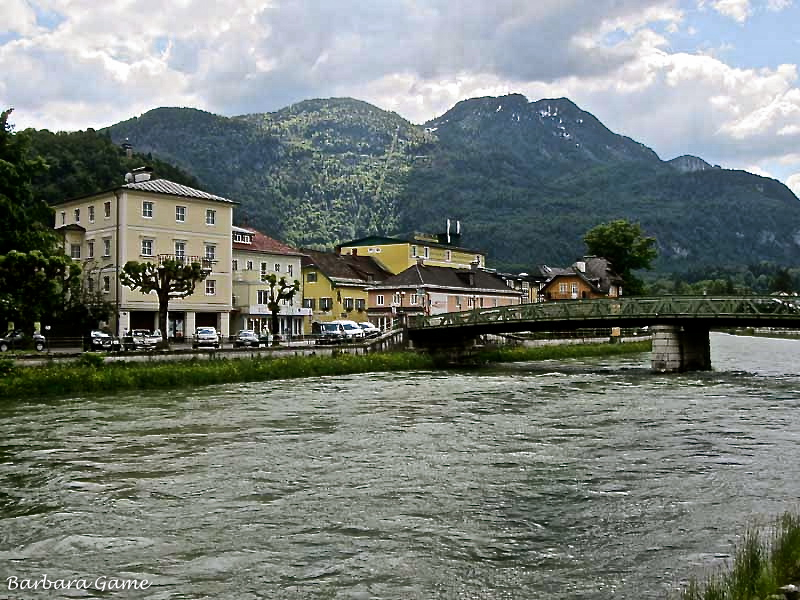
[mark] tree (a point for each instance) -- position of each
(279, 289)
(782, 282)
(624, 245)
(25, 222)
(34, 285)
(170, 278)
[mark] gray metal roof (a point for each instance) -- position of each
(164, 186)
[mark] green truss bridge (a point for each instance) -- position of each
(680, 323)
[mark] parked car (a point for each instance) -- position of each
(18, 339)
(329, 333)
(353, 332)
(140, 339)
(205, 337)
(247, 338)
(99, 340)
(370, 330)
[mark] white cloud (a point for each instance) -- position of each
(738, 10)
(793, 183)
(778, 5)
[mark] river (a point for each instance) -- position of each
(590, 478)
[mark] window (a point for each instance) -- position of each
(249, 265)
(147, 247)
(562, 288)
(277, 268)
(413, 251)
(211, 287)
(106, 284)
(106, 246)
(90, 249)
(326, 303)
(211, 216)
(448, 255)
(180, 249)
(77, 215)
(379, 300)
(107, 209)
(361, 304)
(263, 297)
(480, 302)
(91, 214)
(180, 214)
(414, 299)
(311, 277)
(398, 299)
(349, 304)
(470, 302)
(63, 217)
(309, 303)
(211, 252)
(147, 209)
(496, 302)
(234, 265)
(458, 301)
(289, 270)
(426, 252)
(574, 289)
(263, 269)
(90, 285)
(75, 250)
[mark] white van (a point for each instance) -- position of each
(352, 330)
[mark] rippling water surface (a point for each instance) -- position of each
(565, 479)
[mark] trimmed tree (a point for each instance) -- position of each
(625, 246)
(279, 289)
(170, 278)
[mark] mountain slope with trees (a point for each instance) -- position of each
(526, 180)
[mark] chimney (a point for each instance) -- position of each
(475, 264)
(581, 266)
(140, 174)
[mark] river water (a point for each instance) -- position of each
(590, 478)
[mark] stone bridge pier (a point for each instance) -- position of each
(680, 348)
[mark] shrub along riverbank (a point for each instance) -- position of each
(764, 562)
(91, 374)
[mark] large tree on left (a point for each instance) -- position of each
(35, 275)
(25, 221)
(170, 278)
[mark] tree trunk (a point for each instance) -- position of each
(163, 311)
(274, 323)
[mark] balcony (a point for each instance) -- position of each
(206, 264)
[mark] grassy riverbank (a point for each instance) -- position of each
(765, 561)
(91, 374)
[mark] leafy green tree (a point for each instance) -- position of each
(35, 286)
(624, 244)
(170, 278)
(279, 289)
(782, 282)
(25, 222)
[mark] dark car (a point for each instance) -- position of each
(247, 337)
(330, 333)
(98, 341)
(16, 339)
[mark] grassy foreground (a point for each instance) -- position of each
(765, 561)
(91, 374)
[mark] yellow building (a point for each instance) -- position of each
(150, 220)
(397, 254)
(334, 286)
(256, 255)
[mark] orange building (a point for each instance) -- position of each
(590, 277)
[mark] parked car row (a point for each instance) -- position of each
(16, 339)
(343, 331)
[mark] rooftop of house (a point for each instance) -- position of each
(346, 268)
(252, 240)
(165, 186)
(435, 241)
(422, 275)
(594, 270)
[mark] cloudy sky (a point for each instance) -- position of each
(713, 78)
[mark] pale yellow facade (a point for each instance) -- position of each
(106, 230)
(397, 255)
(329, 302)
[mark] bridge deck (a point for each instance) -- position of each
(706, 311)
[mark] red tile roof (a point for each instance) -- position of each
(265, 244)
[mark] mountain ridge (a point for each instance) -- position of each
(323, 171)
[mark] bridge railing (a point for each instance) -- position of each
(620, 308)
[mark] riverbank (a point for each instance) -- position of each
(765, 561)
(93, 374)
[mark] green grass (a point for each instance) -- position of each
(763, 562)
(92, 374)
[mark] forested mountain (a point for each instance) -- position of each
(526, 180)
